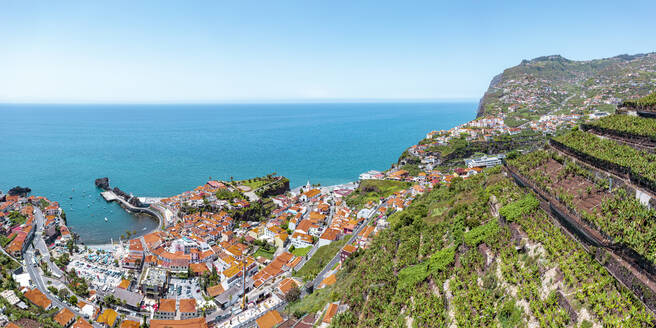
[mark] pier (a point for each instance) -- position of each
(110, 196)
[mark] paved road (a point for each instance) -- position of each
(33, 270)
(40, 244)
(317, 281)
(315, 247)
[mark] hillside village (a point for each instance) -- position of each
(204, 263)
(228, 254)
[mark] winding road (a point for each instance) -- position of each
(33, 270)
(317, 281)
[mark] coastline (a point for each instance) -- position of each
(333, 153)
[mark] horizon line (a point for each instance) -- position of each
(249, 101)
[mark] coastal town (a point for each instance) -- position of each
(225, 254)
(327, 164)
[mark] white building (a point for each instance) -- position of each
(371, 175)
(485, 161)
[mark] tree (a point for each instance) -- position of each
(293, 295)
(73, 299)
(70, 245)
(62, 293)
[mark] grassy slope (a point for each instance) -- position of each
(263, 253)
(323, 255)
(301, 251)
(373, 190)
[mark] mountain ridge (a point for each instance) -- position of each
(554, 84)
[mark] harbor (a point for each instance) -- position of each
(153, 211)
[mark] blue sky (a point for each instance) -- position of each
(215, 51)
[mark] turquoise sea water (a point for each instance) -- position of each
(162, 150)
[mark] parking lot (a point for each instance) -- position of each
(179, 288)
(101, 278)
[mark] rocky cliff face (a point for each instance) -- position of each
(495, 80)
(280, 186)
(556, 85)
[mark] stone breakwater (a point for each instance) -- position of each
(103, 183)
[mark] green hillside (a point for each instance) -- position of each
(556, 85)
(463, 267)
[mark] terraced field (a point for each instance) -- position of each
(467, 267)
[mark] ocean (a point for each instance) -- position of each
(163, 150)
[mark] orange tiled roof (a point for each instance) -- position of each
(38, 298)
(198, 268)
(64, 316)
(287, 284)
(215, 291)
(108, 317)
(317, 216)
(330, 313)
(129, 324)
(269, 319)
(188, 305)
(189, 323)
(349, 249)
(312, 193)
(330, 280)
(166, 305)
(124, 284)
(81, 323)
(330, 234)
(135, 245)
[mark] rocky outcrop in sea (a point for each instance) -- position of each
(19, 191)
(102, 183)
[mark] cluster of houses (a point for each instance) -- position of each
(482, 129)
(209, 242)
(17, 222)
(206, 196)
(552, 123)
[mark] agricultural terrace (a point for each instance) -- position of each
(614, 213)
(626, 127)
(611, 156)
(452, 269)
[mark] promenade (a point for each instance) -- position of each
(110, 196)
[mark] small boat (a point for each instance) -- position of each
(105, 219)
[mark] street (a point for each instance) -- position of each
(33, 269)
(317, 281)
